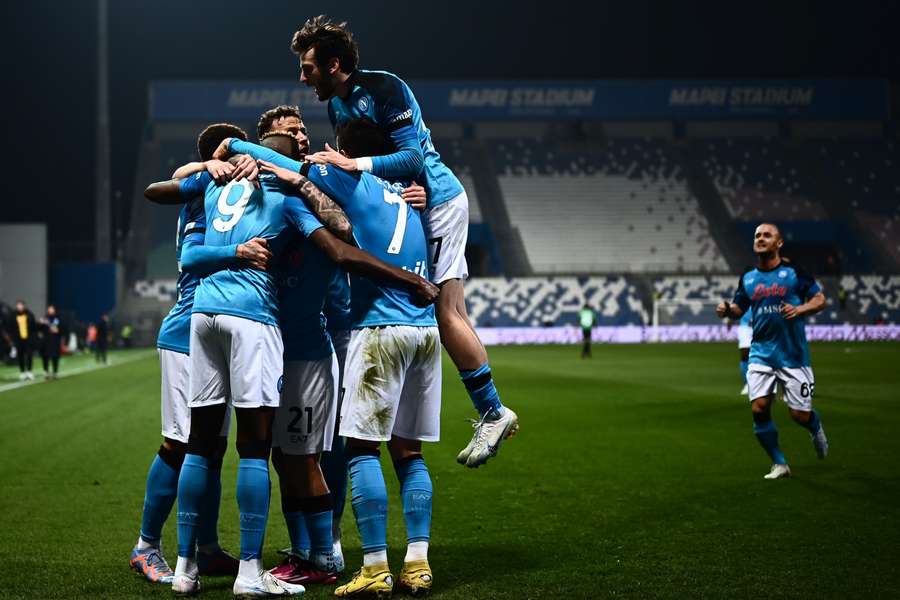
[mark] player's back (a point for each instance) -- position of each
(175, 330)
(389, 102)
(236, 213)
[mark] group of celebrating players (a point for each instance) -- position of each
(315, 292)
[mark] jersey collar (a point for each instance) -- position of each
(777, 266)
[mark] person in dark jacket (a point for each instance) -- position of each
(51, 346)
(23, 331)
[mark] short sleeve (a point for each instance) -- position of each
(807, 287)
(740, 295)
(195, 185)
(297, 214)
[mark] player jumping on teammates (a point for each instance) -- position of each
(393, 364)
(779, 296)
(328, 59)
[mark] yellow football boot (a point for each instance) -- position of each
(415, 578)
(368, 581)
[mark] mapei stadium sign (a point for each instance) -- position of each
(545, 100)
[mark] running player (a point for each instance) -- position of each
(328, 58)
(779, 296)
(393, 364)
(173, 348)
(745, 338)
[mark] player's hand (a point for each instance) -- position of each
(330, 156)
(244, 167)
(415, 196)
(222, 152)
(220, 171)
(789, 311)
(255, 254)
(424, 292)
(722, 310)
(285, 175)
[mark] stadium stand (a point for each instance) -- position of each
(587, 207)
(874, 297)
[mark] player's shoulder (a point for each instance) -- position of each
(798, 270)
(381, 85)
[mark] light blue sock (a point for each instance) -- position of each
(368, 496)
(334, 468)
(191, 489)
(318, 524)
(296, 526)
(744, 366)
(162, 489)
(767, 434)
(253, 504)
(482, 391)
(814, 423)
(208, 530)
(416, 492)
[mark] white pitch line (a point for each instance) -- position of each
(113, 362)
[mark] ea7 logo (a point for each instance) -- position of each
(406, 114)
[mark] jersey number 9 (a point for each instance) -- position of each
(243, 189)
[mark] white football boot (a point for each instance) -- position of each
(265, 586)
(489, 432)
(778, 471)
(820, 442)
(185, 585)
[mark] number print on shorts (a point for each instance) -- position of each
(294, 425)
(243, 189)
(807, 389)
(438, 242)
(400, 227)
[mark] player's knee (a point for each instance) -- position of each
(800, 416)
(172, 455)
(357, 448)
(254, 449)
(200, 446)
(215, 461)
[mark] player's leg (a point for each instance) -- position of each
(799, 385)
(54, 361)
(334, 462)
(762, 383)
(744, 365)
(211, 558)
(20, 356)
(303, 423)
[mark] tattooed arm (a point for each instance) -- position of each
(332, 216)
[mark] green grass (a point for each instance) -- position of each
(635, 474)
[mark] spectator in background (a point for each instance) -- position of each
(90, 337)
(125, 335)
(842, 297)
(102, 342)
(51, 347)
(22, 330)
(587, 318)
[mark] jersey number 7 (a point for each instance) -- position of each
(400, 228)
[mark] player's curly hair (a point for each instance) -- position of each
(362, 137)
(210, 138)
(330, 40)
(282, 142)
(267, 118)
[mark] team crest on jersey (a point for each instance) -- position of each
(363, 104)
(782, 274)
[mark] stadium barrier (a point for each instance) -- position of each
(634, 334)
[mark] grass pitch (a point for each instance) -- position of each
(636, 474)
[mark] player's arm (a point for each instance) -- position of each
(359, 262)
(739, 304)
(178, 191)
(200, 259)
(809, 289)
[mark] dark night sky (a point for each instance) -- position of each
(50, 48)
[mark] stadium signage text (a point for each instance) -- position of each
(742, 96)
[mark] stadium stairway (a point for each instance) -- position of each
(721, 226)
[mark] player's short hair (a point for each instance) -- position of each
(210, 138)
(362, 137)
(270, 116)
(281, 142)
(330, 40)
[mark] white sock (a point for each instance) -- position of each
(186, 566)
(416, 551)
(337, 548)
(375, 558)
(324, 561)
(143, 545)
(251, 569)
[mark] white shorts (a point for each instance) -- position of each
(304, 422)
(446, 231)
(393, 384)
(175, 368)
(798, 384)
(745, 336)
(234, 360)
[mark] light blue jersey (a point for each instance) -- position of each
(747, 319)
(389, 102)
(236, 213)
(337, 304)
(383, 226)
(305, 274)
(175, 331)
(777, 342)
